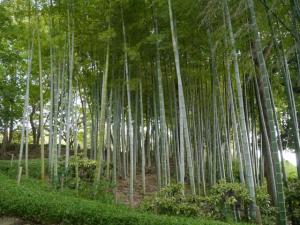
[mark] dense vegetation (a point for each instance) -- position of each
(199, 98)
(38, 202)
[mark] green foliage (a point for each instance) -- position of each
(293, 201)
(11, 168)
(36, 202)
(86, 172)
(267, 210)
(107, 35)
(86, 168)
(227, 198)
(85, 189)
(291, 170)
(236, 170)
(10, 100)
(226, 201)
(171, 201)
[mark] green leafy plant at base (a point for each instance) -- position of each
(86, 168)
(86, 172)
(171, 201)
(10, 168)
(236, 170)
(225, 201)
(229, 200)
(293, 201)
(267, 210)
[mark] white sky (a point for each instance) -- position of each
(290, 156)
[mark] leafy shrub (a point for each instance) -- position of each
(236, 170)
(170, 200)
(86, 168)
(231, 201)
(86, 172)
(227, 200)
(293, 201)
(267, 210)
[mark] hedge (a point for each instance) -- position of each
(36, 202)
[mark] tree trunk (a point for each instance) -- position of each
(4, 142)
(130, 127)
(33, 128)
(244, 133)
(184, 132)
(274, 146)
(24, 132)
(70, 93)
(102, 115)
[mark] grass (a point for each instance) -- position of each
(38, 202)
(291, 170)
(10, 168)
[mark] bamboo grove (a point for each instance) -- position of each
(197, 89)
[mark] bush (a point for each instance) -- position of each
(86, 168)
(36, 202)
(225, 201)
(236, 170)
(293, 201)
(170, 200)
(229, 200)
(86, 172)
(267, 210)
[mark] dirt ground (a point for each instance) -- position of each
(123, 188)
(14, 221)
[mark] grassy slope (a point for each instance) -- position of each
(291, 170)
(38, 202)
(10, 168)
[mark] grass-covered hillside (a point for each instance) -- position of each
(38, 202)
